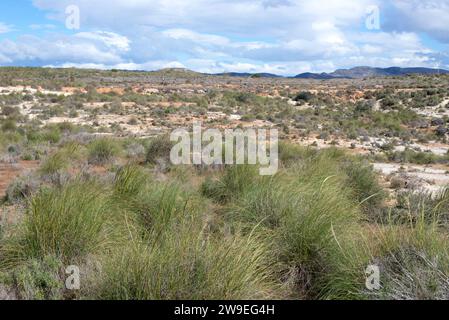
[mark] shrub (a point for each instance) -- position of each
(9, 126)
(159, 150)
(9, 111)
(414, 263)
(61, 159)
(186, 264)
(39, 279)
(135, 150)
(22, 188)
(67, 223)
(304, 96)
(103, 150)
(362, 180)
(231, 184)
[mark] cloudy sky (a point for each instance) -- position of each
(278, 36)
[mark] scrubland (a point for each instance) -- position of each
(85, 180)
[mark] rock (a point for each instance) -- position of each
(437, 122)
(441, 131)
(419, 124)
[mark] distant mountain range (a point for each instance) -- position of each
(247, 75)
(369, 72)
(353, 73)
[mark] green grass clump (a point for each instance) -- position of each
(311, 214)
(299, 234)
(417, 157)
(159, 149)
(413, 262)
(413, 206)
(67, 222)
(172, 255)
(362, 180)
(129, 181)
(39, 279)
(103, 150)
(289, 153)
(186, 264)
(61, 160)
(231, 184)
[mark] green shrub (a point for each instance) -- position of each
(231, 184)
(61, 160)
(9, 126)
(414, 263)
(103, 150)
(365, 186)
(39, 279)
(159, 149)
(67, 223)
(187, 264)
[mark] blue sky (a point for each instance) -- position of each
(278, 36)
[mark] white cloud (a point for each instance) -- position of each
(47, 26)
(29, 49)
(110, 39)
(5, 28)
(429, 16)
(276, 36)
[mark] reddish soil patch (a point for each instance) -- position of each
(8, 172)
(116, 90)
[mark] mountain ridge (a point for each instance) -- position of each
(370, 72)
(351, 73)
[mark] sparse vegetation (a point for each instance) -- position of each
(358, 184)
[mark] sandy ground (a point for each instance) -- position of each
(30, 90)
(434, 112)
(432, 178)
(8, 173)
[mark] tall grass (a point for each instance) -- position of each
(172, 256)
(188, 265)
(311, 216)
(413, 261)
(299, 234)
(159, 149)
(62, 159)
(235, 180)
(363, 182)
(67, 222)
(413, 206)
(103, 150)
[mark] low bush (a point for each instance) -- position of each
(159, 150)
(67, 223)
(102, 151)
